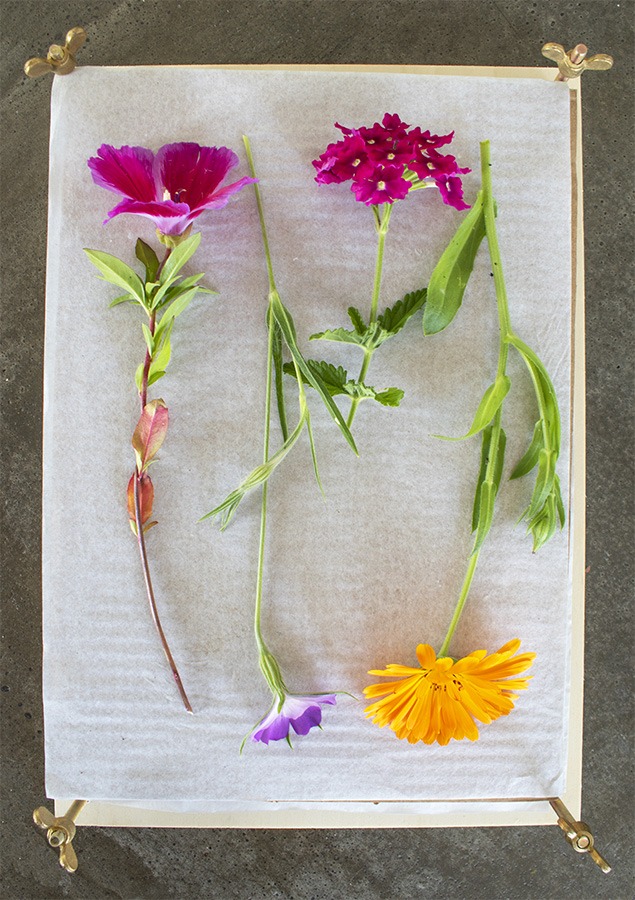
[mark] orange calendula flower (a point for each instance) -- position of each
(441, 700)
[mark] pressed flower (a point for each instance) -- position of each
(172, 188)
(441, 700)
(412, 156)
(300, 713)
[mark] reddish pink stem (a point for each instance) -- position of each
(151, 599)
(143, 394)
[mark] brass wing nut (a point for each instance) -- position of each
(575, 62)
(59, 60)
(60, 831)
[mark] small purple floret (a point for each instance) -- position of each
(299, 713)
(381, 162)
(172, 188)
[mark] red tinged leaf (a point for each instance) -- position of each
(150, 432)
(146, 499)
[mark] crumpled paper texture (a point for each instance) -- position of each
(353, 580)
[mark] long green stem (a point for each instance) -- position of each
(505, 330)
(265, 488)
(382, 231)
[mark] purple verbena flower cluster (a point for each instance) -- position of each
(386, 161)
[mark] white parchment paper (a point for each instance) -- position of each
(353, 581)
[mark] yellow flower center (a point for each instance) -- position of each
(381, 185)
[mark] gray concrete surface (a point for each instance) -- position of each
(531, 863)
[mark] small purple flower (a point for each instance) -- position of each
(385, 161)
(297, 712)
(172, 188)
(384, 185)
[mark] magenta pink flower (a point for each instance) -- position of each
(297, 712)
(385, 161)
(172, 188)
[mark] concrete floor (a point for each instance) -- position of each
(531, 863)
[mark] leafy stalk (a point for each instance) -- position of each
(546, 502)
(163, 295)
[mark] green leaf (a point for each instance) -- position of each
(285, 321)
(340, 335)
(162, 353)
(147, 334)
(530, 458)
(498, 469)
(559, 504)
(259, 475)
(117, 272)
(146, 255)
(154, 376)
(486, 514)
(394, 318)
(334, 379)
(544, 482)
(175, 309)
(544, 390)
(278, 374)
(125, 298)
(138, 377)
(487, 408)
(389, 397)
(451, 274)
(356, 318)
(178, 257)
(170, 292)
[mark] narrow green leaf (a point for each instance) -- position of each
(451, 274)
(544, 389)
(543, 525)
(530, 458)
(154, 376)
(313, 452)
(162, 354)
(138, 377)
(487, 408)
(486, 514)
(117, 272)
(179, 286)
(147, 334)
(559, 504)
(498, 469)
(179, 256)
(175, 309)
(278, 374)
(284, 319)
(125, 298)
(146, 255)
(356, 318)
(259, 475)
(544, 482)
(394, 318)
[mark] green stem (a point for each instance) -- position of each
(505, 331)
(382, 231)
(265, 488)
(261, 214)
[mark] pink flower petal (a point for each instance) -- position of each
(169, 217)
(192, 173)
(127, 171)
(221, 197)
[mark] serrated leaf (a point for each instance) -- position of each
(339, 335)
(356, 318)
(150, 432)
(178, 257)
(393, 319)
(146, 255)
(389, 397)
(487, 408)
(125, 298)
(530, 458)
(486, 445)
(334, 378)
(117, 272)
(452, 273)
(285, 321)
